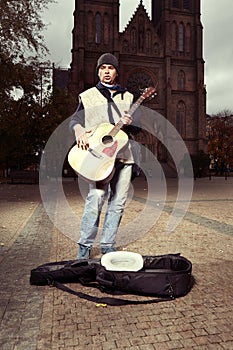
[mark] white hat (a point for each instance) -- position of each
(122, 261)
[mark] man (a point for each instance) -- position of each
(106, 102)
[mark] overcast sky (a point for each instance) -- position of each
(216, 17)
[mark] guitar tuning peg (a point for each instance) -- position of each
(153, 96)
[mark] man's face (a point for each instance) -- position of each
(107, 74)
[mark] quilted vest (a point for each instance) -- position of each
(96, 112)
(96, 106)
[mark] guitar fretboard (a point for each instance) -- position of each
(120, 124)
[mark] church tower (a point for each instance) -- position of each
(163, 50)
(179, 26)
(96, 30)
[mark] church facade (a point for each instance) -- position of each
(163, 50)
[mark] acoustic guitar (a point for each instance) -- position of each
(105, 141)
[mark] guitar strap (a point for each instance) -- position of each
(111, 103)
(116, 108)
(112, 301)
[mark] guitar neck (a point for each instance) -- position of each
(120, 124)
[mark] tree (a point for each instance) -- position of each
(220, 145)
(21, 26)
(21, 47)
(26, 124)
(200, 162)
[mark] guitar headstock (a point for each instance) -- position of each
(149, 92)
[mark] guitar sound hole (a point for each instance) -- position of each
(107, 139)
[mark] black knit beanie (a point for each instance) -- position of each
(107, 58)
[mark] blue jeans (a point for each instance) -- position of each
(115, 192)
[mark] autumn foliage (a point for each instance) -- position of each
(220, 145)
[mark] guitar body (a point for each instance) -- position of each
(97, 163)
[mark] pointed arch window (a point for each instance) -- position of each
(98, 28)
(181, 80)
(176, 3)
(174, 36)
(133, 39)
(125, 46)
(188, 38)
(156, 48)
(141, 32)
(148, 41)
(186, 5)
(181, 37)
(106, 29)
(90, 34)
(180, 118)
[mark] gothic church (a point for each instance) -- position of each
(164, 51)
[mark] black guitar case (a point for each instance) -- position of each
(165, 277)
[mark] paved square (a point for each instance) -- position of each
(43, 318)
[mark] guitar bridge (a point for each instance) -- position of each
(94, 153)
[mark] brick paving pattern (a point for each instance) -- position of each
(44, 318)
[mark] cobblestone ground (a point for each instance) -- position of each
(43, 318)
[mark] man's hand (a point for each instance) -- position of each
(82, 141)
(81, 136)
(126, 119)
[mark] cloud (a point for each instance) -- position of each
(58, 36)
(218, 54)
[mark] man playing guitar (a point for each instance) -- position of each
(107, 102)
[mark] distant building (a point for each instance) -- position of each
(61, 78)
(164, 51)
